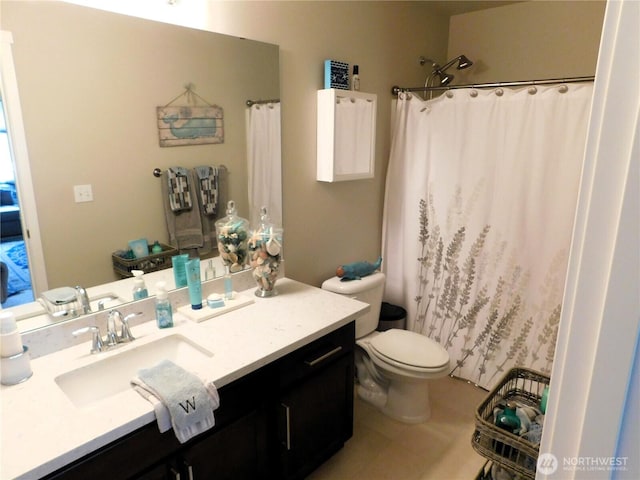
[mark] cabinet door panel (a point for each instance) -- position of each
(316, 418)
(236, 452)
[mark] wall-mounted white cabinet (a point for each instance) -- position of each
(346, 134)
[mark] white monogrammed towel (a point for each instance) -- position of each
(181, 400)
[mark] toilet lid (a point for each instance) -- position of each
(410, 348)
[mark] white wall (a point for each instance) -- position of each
(527, 41)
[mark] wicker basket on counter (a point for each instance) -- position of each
(513, 452)
(151, 263)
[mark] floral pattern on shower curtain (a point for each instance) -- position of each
(479, 206)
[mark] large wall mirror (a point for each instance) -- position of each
(89, 84)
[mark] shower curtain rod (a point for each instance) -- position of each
(395, 89)
(261, 102)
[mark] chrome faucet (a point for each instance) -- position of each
(125, 335)
(113, 337)
(83, 300)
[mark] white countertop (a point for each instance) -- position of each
(42, 430)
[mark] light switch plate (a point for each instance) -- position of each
(83, 193)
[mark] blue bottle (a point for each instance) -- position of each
(194, 284)
(544, 399)
(164, 312)
(179, 269)
(507, 420)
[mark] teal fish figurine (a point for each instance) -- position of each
(357, 270)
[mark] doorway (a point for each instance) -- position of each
(15, 278)
(21, 233)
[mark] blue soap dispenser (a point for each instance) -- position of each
(164, 312)
(139, 288)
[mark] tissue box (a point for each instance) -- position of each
(336, 74)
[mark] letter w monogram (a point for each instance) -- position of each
(191, 404)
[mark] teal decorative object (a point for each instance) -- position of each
(336, 74)
(357, 270)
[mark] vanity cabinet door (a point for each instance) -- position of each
(237, 452)
(316, 417)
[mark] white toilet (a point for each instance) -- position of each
(393, 367)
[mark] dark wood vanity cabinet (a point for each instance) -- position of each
(315, 406)
(279, 422)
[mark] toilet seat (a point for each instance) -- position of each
(409, 350)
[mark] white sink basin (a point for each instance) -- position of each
(112, 375)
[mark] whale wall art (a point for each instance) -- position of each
(190, 125)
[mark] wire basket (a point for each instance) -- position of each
(485, 472)
(515, 453)
(151, 263)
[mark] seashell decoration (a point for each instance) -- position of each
(273, 245)
(232, 235)
(265, 247)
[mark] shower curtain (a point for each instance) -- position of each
(479, 206)
(264, 163)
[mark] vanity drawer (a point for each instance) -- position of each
(315, 356)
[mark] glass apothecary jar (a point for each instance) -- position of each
(232, 233)
(265, 255)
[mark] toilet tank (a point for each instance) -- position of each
(368, 289)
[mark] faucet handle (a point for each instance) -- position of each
(96, 343)
(112, 336)
(125, 333)
(83, 299)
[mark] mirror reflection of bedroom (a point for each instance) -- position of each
(15, 280)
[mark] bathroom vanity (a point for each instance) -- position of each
(284, 370)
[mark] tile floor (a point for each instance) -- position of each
(439, 449)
